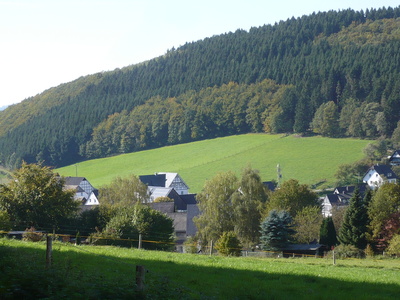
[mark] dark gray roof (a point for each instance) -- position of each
(270, 185)
(73, 180)
(338, 199)
(395, 157)
(153, 180)
(385, 171)
(189, 198)
(164, 207)
(302, 247)
(350, 189)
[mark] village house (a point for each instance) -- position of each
(340, 198)
(394, 159)
(85, 193)
(181, 209)
(377, 175)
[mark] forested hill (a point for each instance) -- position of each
(336, 73)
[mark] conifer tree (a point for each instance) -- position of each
(276, 230)
(327, 234)
(354, 227)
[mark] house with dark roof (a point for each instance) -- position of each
(181, 209)
(394, 159)
(85, 193)
(378, 175)
(340, 197)
(166, 180)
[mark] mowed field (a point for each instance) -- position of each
(105, 272)
(311, 160)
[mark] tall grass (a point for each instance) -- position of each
(311, 160)
(90, 272)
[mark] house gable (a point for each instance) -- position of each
(394, 159)
(377, 175)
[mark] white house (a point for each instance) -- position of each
(166, 180)
(377, 175)
(84, 191)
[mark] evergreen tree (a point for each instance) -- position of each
(354, 227)
(327, 235)
(276, 230)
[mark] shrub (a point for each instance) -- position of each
(228, 244)
(32, 235)
(5, 223)
(191, 245)
(348, 251)
(394, 246)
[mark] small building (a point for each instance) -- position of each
(378, 175)
(166, 180)
(84, 191)
(340, 198)
(394, 159)
(182, 209)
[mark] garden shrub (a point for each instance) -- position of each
(228, 244)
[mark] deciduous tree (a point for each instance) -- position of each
(293, 197)
(36, 197)
(215, 204)
(124, 192)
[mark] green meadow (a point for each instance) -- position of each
(105, 272)
(311, 160)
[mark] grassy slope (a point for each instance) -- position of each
(93, 272)
(310, 160)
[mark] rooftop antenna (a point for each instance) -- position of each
(278, 170)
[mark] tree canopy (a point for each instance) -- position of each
(335, 63)
(36, 197)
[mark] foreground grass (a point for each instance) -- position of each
(311, 160)
(89, 272)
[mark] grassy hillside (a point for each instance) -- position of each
(311, 160)
(93, 272)
(346, 56)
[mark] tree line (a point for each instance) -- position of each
(346, 57)
(235, 213)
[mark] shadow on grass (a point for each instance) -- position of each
(79, 274)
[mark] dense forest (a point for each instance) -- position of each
(334, 73)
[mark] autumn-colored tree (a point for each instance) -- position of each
(36, 197)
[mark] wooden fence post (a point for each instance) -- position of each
(140, 272)
(334, 258)
(140, 241)
(49, 251)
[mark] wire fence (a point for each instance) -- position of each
(69, 239)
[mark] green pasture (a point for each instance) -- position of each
(105, 272)
(311, 160)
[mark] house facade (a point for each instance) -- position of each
(183, 207)
(394, 159)
(378, 175)
(166, 180)
(85, 193)
(340, 198)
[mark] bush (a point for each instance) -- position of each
(32, 235)
(394, 246)
(5, 223)
(191, 245)
(228, 244)
(348, 251)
